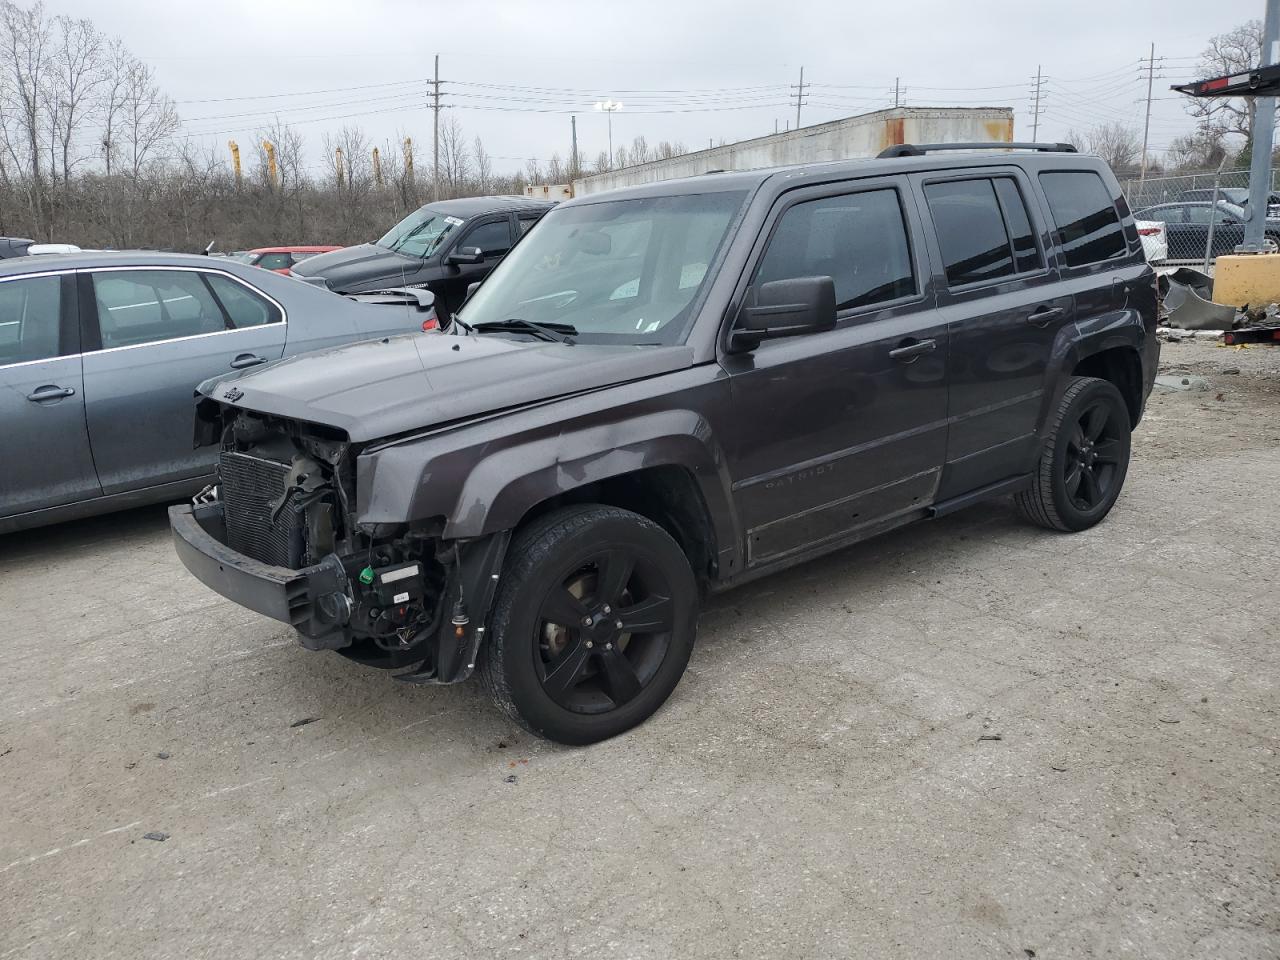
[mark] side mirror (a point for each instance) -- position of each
(786, 308)
(466, 255)
(472, 288)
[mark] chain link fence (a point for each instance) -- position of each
(1195, 231)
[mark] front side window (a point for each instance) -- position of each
(29, 319)
(493, 239)
(145, 306)
(859, 240)
(243, 307)
(617, 271)
(420, 233)
(1088, 227)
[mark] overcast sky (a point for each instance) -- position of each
(693, 71)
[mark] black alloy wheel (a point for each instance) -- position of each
(593, 624)
(1085, 458)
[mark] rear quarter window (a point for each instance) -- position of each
(1087, 225)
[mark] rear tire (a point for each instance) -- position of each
(1085, 459)
(593, 624)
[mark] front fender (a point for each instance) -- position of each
(484, 477)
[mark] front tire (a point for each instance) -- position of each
(1085, 459)
(593, 624)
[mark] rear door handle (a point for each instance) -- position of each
(50, 391)
(1043, 315)
(247, 360)
(910, 349)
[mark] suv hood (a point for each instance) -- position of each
(360, 266)
(381, 388)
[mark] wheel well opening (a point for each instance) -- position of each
(1122, 367)
(667, 495)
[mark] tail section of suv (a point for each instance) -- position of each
(678, 388)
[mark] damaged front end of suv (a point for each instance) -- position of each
(281, 534)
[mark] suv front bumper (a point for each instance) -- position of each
(315, 601)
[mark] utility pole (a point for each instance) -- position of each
(799, 96)
(1146, 126)
(573, 149)
(1261, 137)
(897, 91)
(1037, 92)
(435, 122)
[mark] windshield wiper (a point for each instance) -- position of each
(554, 332)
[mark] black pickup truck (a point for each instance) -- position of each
(678, 388)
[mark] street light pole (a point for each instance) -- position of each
(609, 107)
(1260, 138)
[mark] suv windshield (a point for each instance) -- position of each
(419, 234)
(620, 271)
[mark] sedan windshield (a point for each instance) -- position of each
(620, 271)
(419, 234)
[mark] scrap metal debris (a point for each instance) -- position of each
(990, 736)
(304, 721)
(159, 835)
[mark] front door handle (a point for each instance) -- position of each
(247, 360)
(1042, 316)
(50, 391)
(908, 350)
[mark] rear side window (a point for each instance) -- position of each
(859, 240)
(971, 232)
(1088, 227)
(29, 313)
(525, 222)
(146, 306)
(244, 307)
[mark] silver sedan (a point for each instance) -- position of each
(100, 354)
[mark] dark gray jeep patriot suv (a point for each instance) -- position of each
(678, 388)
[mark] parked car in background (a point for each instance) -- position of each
(678, 388)
(1154, 239)
(444, 247)
(22, 247)
(1237, 195)
(1187, 227)
(280, 259)
(100, 355)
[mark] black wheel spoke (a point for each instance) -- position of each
(1076, 441)
(1095, 421)
(1073, 480)
(1089, 486)
(613, 573)
(653, 615)
(1107, 451)
(564, 608)
(565, 674)
(619, 676)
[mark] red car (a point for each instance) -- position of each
(279, 259)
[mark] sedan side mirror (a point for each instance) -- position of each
(466, 255)
(786, 308)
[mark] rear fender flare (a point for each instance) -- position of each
(1076, 341)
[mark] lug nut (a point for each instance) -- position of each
(608, 646)
(606, 609)
(618, 624)
(589, 644)
(586, 621)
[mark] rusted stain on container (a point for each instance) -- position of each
(893, 132)
(1000, 129)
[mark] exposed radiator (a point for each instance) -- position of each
(250, 487)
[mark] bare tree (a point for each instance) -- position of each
(533, 171)
(1203, 149)
(1119, 144)
(555, 169)
(639, 150)
(601, 164)
(75, 75)
(25, 44)
(1235, 51)
(455, 159)
(484, 167)
(148, 118)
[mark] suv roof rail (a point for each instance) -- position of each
(920, 149)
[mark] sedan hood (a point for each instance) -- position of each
(382, 388)
(361, 267)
